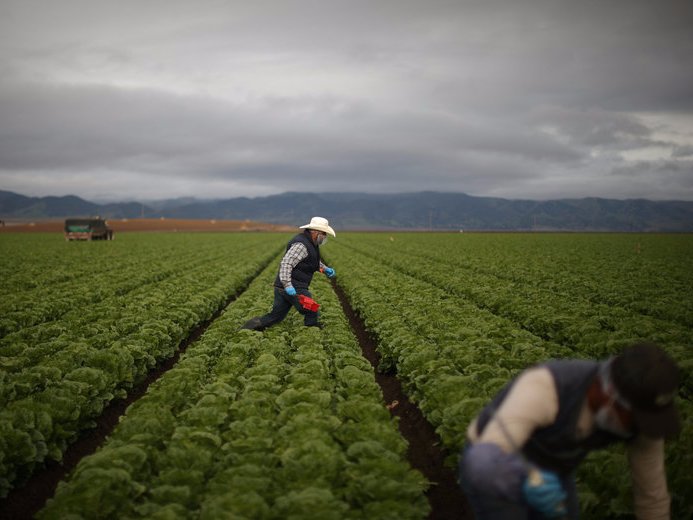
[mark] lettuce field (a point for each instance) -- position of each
(292, 422)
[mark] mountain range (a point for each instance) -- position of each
(363, 211)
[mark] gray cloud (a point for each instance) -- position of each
(682, 151)
(668, 175)
(595, 128)
(525, 98)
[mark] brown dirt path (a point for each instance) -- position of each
(425, 453)
(23, 502)
(150, 224)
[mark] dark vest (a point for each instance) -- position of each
(302, 274)
(555, 447)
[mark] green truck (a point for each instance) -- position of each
(87, 229)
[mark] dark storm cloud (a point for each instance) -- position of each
(103, 126)
(526, 98)
(682, 151)
(669, 175)
(596, 128)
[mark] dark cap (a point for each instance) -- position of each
(648, 379)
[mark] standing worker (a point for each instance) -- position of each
(524, 447)
(301, 260)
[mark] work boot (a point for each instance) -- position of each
(253, 324)
(318, 324)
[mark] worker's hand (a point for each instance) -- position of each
(543, 491)
(290, 290)
(329, 272)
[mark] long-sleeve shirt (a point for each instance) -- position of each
(533, 403)
(291, 259)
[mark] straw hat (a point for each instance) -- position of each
(319, 224)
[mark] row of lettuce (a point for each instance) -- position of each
(458, 315)
(288, 423)
(41, 282)
(119, 308)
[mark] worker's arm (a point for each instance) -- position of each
(293, 256)
(531, 403)
(650, 493)
(492, 461)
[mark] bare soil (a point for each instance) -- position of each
(149, 224)
(425, 452)
(23, 502)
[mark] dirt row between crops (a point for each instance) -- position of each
(151, 224)
(424, 447)
(23, 502)
(424, 452)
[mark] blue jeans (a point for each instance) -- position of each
(282, 305)
(490, 506)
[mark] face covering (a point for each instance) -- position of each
(606, 417)
(322, 240)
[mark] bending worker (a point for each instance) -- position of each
(524, 447)
(301, 260)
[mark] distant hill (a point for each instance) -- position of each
(424, 210)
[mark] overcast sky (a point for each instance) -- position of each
(538, 99)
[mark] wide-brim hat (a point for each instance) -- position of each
(647, 378)
(320, 224)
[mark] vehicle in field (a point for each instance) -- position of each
(87, 229)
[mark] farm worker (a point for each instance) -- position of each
(524, 447)
(301, 260)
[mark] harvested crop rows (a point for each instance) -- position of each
(292, 422)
